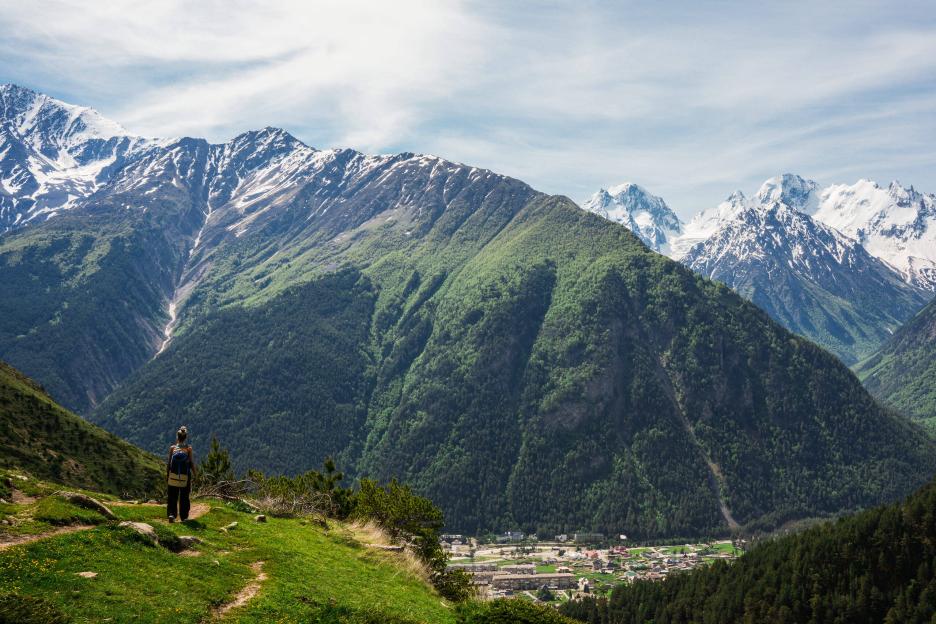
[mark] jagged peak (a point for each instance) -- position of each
(645, 214)
(630, 197)
(268, 135)
(790, 188)
(64, 124)
(629, 188)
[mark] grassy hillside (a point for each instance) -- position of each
(877, 566)
(45, 440)
(281, 570)
(534, 367)
(903, 372)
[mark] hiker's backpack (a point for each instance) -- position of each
(179, 467)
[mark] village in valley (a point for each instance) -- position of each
(572, 566)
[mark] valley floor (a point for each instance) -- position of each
(594, 571)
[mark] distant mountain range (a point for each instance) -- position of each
(520, 361)
(844, 266)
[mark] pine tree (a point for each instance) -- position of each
(216, 466)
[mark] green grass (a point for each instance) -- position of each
(724, 548)
(58, 511)
(44, 512)
(313, 573)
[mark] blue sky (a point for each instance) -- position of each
(692, 100)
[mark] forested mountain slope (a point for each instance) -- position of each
(903, 372)
(536, 366)
(518, 360)
(40, 437)
(877, 566)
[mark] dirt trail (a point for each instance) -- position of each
(245, 595)
(16, 540)
(197, 510)
(21, 498)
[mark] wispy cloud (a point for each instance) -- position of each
(690, 99)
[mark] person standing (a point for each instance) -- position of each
(180, 470)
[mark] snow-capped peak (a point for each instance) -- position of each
(790, 189)
(49, 124)
(53, 154)
(645, 214)
(705, 224)
(632, 206)
(896, 224)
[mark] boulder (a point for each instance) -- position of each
(88, 503)
(143, 529)
(86, 574)
(229, 527)
(260, 518)
(187, 541)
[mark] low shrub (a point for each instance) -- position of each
(508, 611)
(415, 522)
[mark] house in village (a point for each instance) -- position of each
(588, 538)
(514, 582)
